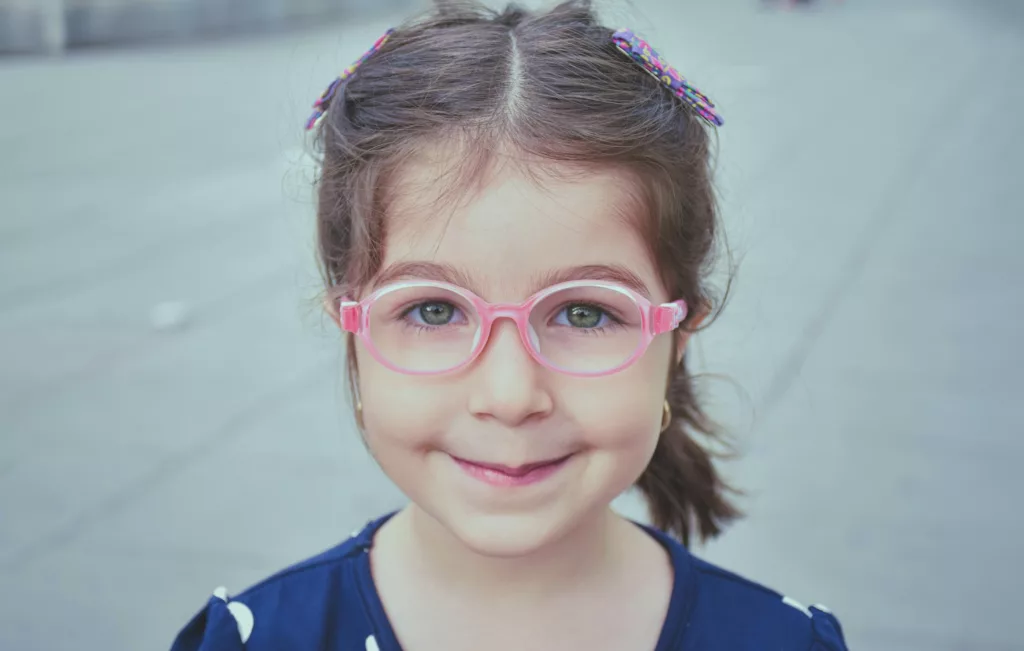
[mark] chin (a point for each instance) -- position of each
(506, 535)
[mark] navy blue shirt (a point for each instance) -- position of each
(330, 603)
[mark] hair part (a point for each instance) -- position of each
(548, 91)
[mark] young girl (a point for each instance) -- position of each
(515, 222)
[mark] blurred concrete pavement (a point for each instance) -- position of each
(171, 407)
(55, 26)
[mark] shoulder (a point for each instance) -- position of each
(300, 607)
(732, 612)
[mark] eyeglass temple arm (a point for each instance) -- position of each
(349, 314)
(668, 316)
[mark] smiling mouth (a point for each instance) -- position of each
(502, 475)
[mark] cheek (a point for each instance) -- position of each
(622, 413)
(618, 415)
(401, 412)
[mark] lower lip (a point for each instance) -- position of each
(496, 477)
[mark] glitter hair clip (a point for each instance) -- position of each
(642, 53)
(321, 105)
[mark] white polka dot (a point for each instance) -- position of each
(244, 619)
(796, 604)
(371, 643)
(221, 593)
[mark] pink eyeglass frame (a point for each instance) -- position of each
(354, 317)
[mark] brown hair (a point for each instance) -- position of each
(550, 86)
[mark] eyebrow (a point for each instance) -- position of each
(455, 276)
(424, 271)
(607, 272)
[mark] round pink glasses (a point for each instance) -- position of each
(581, 328)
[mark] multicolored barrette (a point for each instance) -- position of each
(321, 104)
(641, 52)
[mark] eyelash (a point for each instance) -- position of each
(614, 320)
(404, 313)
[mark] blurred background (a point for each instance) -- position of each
(172, 414)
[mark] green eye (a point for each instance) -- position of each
(583, 316)
(436, 314)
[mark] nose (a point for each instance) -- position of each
(507, 384)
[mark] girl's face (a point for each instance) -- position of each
(505, 409)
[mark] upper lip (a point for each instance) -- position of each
(521, 469)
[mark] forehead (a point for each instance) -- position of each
(512, 232)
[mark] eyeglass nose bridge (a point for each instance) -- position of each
(518, 314)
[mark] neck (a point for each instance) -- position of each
(587, 554)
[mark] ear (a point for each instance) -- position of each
(331, 308)
(683, 335)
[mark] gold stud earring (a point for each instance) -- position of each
(359, 414)
(666, 416)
